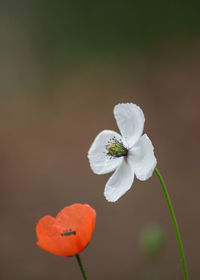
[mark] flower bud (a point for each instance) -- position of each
(152, 241)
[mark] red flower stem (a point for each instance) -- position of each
(81, 267)
(173, 217)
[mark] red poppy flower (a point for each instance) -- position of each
(69, 233)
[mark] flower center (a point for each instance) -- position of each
(116, 148)
(69, 232)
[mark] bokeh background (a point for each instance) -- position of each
(64, 65)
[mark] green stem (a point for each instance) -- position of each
(171, 210)
(81, 267)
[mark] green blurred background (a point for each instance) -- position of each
(64, 65)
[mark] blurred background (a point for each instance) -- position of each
(64, 65)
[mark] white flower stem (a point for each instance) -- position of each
(173, 217)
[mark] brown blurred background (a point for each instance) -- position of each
(64, 65)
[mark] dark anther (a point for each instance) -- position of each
(70, 232)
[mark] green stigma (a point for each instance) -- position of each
(116, 149)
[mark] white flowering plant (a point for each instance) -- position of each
(128, 155)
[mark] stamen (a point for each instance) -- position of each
(70, 232)
(116, 148)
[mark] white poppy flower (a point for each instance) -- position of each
(128, 155)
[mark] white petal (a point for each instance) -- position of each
(130, 120)
(119, 183)
(142, 159)
(100, 162)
